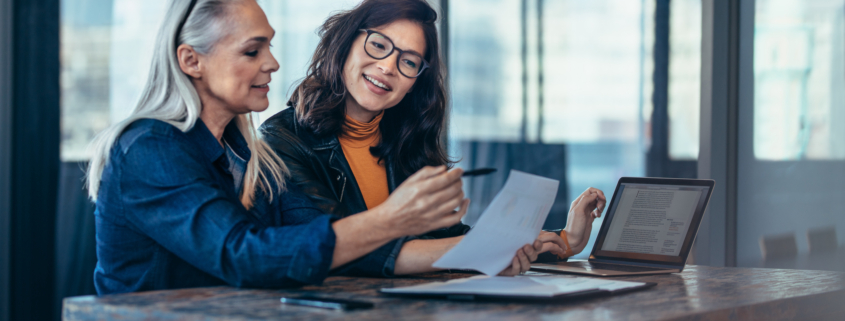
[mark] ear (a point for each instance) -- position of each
(188, 61)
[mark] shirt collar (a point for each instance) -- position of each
(209, 145)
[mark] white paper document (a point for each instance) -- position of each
(520, 286)
(513, 219)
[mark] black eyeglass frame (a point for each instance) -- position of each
(393, 45)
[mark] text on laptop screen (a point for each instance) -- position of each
(652, 219)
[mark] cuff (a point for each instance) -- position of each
(378, 263)
(311, 264)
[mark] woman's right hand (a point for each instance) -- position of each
(426, 201)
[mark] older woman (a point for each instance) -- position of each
(187, 195)
(370, 113)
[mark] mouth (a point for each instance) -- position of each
(261, 88)
(377, 83)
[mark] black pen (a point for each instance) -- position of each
(479, 172)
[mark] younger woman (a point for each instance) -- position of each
(370, 112)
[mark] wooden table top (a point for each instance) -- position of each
(699, 293)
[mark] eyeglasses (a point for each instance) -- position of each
(379, 46)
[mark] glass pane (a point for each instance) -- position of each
(684, 78)
(596, 73)
(799, 80)
(106, 49)
(85, 62)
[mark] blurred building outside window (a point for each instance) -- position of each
(799, 80)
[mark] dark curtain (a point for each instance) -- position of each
(75, 241)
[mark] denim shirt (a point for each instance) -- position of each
(168, 216)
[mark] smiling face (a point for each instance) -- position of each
(234, 76)
(375, 85)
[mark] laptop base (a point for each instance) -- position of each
(604, 269)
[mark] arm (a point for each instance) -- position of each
(417, 256)
(169, 195)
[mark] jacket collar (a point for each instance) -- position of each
(211, 148)
(309, 138)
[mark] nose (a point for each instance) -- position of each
(388, 64)
(271, 65)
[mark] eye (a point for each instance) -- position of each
(252, 53)
(410, 64)
(378, 45)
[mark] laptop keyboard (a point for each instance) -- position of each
(621, 268)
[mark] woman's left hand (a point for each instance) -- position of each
(583, 211)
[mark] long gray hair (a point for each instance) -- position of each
(170, 96)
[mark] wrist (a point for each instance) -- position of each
(380, 220)
(573, 241)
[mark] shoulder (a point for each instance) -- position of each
(283, 120)
(154, 146)
(142, 131)
(282, 133)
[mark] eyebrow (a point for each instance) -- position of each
(394, 45)
(261, 39)
(257, 39)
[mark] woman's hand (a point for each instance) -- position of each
(522, 260)
(426, 201)
(583, 211)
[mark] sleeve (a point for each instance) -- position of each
(452, 231)
(378, 263)
(302, 172)
(169, 195)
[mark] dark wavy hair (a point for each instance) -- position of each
(411, 130)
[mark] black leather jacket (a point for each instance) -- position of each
(317, 165)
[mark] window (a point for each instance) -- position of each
(799, 80)
(569, 83)
(558, 88)
(107, 45)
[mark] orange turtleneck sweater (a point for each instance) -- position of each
(356, 140)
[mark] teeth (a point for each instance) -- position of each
(376, 82)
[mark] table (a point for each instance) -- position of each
(699, 293)
(833, 260)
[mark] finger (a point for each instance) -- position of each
(588, 203)
(553, 239)
(443, 180)
(528, 249)
(514, 266)
(535, 251)
(425, 173)
(524, 263)
(452, 192)
(552, 248)
(602, 201)
(446, 206)
(455, 218)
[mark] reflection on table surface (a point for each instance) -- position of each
(825, 261)
(699, 292)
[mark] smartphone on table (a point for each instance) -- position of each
(327, 303)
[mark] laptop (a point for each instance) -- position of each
(649, 228)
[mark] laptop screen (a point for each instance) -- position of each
(653, 222)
